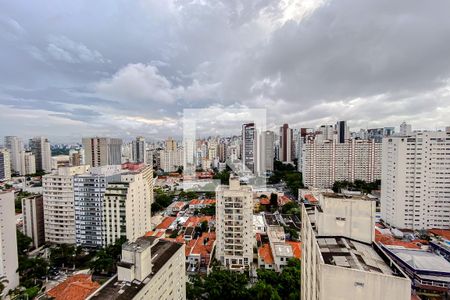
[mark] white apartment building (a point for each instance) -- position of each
(325, 162)
(234, 221)
(29, 163)
(59, 212)
(170, 160)
(339, 258)
(8, 243)
(5, 165)
(266, 155)
(415, 190)
(127, 206)
(150, 269)
(15, 147)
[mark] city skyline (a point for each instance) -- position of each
(65, 81)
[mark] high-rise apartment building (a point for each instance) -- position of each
(58, 199)
(15, 147)
(249, 147)
(340, 259)
(102, 151)
(40, 147)
(170, 144)
(8, 243)
(171, 160)
(139, 150)
(343, 132)
(266, 155)
(286, 144)
(127, 205)
(328, 161)
(29, 165)
(5, 165)
(415, 181)
(151, 269)
(89, 193)
(112, 202)
(234, 213)
(33, 219)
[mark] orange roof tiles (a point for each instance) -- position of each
(195, 202)
(310, 198)
(389, 240)
(209, 201)
(296, 248)
(283, 200)
(264, 201)
(195, 221)
(445, 233)
(166, 222)
(266, 254)
(158, 233)
(204, 249)
(77, 287)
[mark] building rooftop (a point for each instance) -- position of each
(266, 254)
(422, 260)
(347, 196)
(77, 287)
(161, 252)
(347, 253)
(165, 223)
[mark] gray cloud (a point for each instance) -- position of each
(126, 68)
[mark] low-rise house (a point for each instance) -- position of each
(76, 287)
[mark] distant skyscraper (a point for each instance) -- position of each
(266, 151)
(249, 146)
(415, 182)
(139, 150)
(343, 133)
(29, 163)
(102, 151)
(405, 129)
(286, 145)
(40, 147)
(33, 219)
(5, 165)
(171, 145)
(15, 147)
(234, 225)
(8, 243)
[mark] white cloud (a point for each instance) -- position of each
(144, 84)
(64, 49)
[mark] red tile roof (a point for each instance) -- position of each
(166, 222)
(204, 249)
(195, 202)
(310, 198)
(266, 254)
(283, 200)
(209, 201)
(264, 201)
(389, 240)
(195, 221)
(158, 233)
(296, 248)
(77, 287)
(445, 233)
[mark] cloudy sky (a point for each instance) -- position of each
(126, 68)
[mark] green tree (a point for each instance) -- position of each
(263, 291)
(23, 243)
